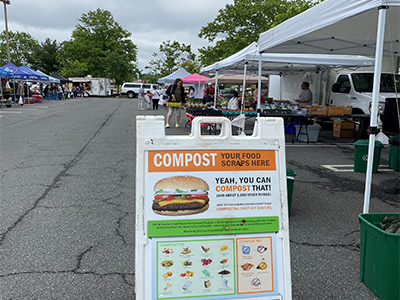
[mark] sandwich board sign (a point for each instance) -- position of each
(211, 213)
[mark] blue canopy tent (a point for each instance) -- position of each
(41, 77)
(4, 75)
(18, 73)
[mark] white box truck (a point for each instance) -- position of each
(343, 87)
(93, 86)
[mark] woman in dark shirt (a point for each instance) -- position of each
(176, 94)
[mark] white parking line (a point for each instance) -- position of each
(21, 109)
(350, 168)
(10, 112)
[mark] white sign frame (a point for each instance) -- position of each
(268, 134)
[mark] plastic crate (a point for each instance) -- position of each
(379, 257)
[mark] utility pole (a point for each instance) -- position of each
(5, 18)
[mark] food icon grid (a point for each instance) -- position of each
(254, 265)
(195, 268)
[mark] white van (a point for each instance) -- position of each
(131, 89)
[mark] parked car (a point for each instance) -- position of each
(131, 89)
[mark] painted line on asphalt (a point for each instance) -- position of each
(22, 109)
(10, 112)
(350, 168)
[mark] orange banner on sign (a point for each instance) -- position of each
(211, 160)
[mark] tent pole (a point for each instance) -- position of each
(375, 99)
(259, 86)
(244, 84)
(216, 89)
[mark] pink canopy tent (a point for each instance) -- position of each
(194, 78)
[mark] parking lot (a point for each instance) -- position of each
(67, 224)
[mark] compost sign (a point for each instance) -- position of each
(211, 219)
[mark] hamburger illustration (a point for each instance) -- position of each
(180, 195)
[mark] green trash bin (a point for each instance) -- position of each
(394, 157)
(361, 156)
(290, 177)
(379, 257)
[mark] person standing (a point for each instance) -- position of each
(147, 97)
(141, 98)
(176, 94)
(20, 93)
(165, 96)
(81, 89)
(155, 98)
(305, 95)
(204, 95)
(255, 95)
(74, 91)
(210, 91)
(191, 92)
(59, 92)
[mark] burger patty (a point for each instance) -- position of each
(179, 206)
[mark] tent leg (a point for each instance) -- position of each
(374, 111)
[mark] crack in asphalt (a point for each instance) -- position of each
(118, 229)
(70, 271)
(56, 181)
(352, 246)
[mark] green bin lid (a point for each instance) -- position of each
(290, 172)
(366, 143)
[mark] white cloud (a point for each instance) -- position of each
(150, 22)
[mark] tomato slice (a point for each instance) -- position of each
(197, 196)
(164, 197)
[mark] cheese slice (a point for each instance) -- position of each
(202, 201)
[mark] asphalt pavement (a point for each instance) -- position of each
(67, 204)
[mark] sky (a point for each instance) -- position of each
(151, 22)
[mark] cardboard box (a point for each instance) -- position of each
(319, 110)
(343, 129)
(335, 110)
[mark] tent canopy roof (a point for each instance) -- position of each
(181, 72)
(18, 73)
(61, 78)
(276, 63)
(51, 79)
(336, 27)
(236, 79)
(5, 74)
(41, 77)
(194, 78)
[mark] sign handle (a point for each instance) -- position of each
(226, 128)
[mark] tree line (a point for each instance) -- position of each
(99, 46)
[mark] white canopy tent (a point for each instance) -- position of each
(51, 79)
(362, 27)
(180, 73)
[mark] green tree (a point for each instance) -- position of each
(22, 48)
(239, 24)
(99, 46)
(171, 56)
(45, 56)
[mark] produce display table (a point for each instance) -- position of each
(289, 116)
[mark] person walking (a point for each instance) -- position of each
(176, 94)
(141, 98)
(155, 98)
